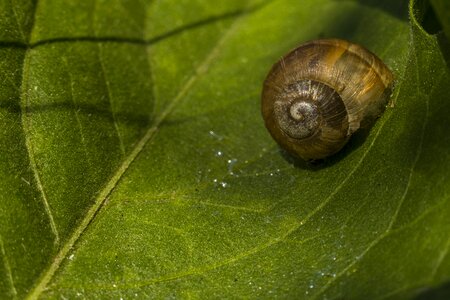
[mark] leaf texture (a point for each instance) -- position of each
(135, 164)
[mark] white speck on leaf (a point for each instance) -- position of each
(24, 180)
(215, 135)
(231, 163)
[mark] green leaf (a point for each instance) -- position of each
(442, 9)
(134, 162)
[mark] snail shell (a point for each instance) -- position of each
(320, 93)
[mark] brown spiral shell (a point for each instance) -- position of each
(320, 93)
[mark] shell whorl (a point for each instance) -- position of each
(309, 107)
(320, 93)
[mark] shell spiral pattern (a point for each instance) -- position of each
(320, 93)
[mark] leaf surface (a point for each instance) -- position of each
(135, 163)
(442, 9)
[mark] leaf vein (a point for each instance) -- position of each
(109, 95)
(395, 215)
(108, 88)
(232, 207)
(24, 108)
(26, 127)
(24, 105)
(8, 269)
(440, 259)
(75, 111)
